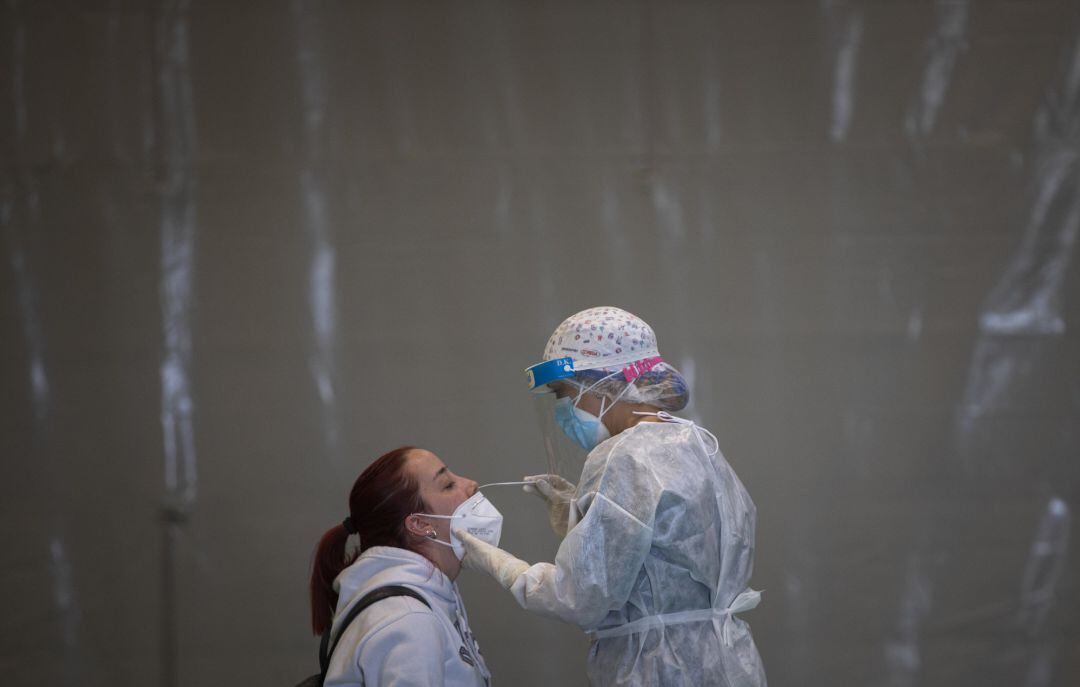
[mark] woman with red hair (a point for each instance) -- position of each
(398, 510)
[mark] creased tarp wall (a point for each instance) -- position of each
(249, 246)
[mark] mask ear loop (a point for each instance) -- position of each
(602, 411)
(433, 536)
(603, 399)
(580, 393)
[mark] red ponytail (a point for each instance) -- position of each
(381, 498)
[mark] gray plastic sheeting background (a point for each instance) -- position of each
(249, 246)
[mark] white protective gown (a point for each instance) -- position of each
(666, 530)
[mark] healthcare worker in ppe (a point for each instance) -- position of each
(658, 532)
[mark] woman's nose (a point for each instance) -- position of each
(472, 487)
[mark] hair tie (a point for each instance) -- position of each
(347, 523)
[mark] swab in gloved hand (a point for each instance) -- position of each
(559, 494)
(501, 484)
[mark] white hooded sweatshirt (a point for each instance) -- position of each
(398, 641)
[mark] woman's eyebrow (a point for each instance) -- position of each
(439, 473)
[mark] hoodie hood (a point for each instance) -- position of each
(381, 566)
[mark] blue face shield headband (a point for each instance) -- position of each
(540, 375)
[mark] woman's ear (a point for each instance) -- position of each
(418, 526)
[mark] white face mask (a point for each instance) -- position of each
(477, 516)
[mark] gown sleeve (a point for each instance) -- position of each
(600, 559)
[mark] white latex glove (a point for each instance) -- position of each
(479, 555)
(558, 493)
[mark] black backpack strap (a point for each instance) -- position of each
(326, 649)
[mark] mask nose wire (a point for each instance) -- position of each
(490, 484)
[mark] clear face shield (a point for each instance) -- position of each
(564, 457)
(569, 433)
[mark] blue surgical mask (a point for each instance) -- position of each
(583, 427)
